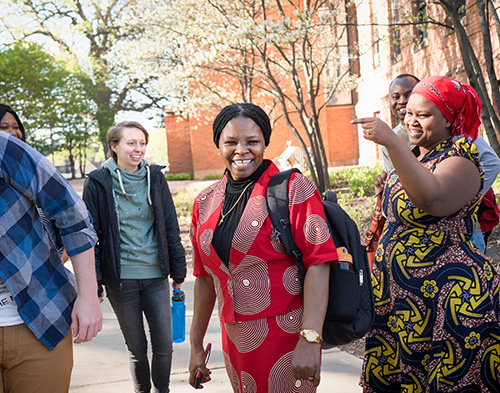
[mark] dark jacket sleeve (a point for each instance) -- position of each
(90, 198)
(177, 255)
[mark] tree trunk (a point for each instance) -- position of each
(302, 144)
(494, 15)
(71, 159)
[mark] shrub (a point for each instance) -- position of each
(359, 179)
(496, 189)
(212, 177)
(183, 202)
(179, 176)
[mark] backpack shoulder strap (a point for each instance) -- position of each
(279, 214)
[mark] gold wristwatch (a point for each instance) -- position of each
(311, 336)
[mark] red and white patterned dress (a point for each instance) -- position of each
(259, 294)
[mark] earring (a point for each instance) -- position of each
(264, 150)
(219, 152)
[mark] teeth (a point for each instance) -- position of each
(242, 162)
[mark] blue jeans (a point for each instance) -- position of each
(151, 297)
(478, 240)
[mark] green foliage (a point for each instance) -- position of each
(50, 100)
(37, 87)
(359, 179)
(212, 177)
(88, 34)
(183, 201)
(359, 209)
(179, 176)
(496, 189)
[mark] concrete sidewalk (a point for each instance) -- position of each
(173, 185)
(101, 366)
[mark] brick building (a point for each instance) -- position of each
(389, 52)
(385, 52)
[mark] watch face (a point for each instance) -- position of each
(311, 336)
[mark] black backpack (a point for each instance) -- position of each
(351, 308)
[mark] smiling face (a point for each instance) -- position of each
(241, 146)
(426, 125)
(130, 150)
(398, 96)
(9, 123)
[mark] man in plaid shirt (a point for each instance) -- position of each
(39, 301)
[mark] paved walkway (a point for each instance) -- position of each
(101, 366)
(174, 185)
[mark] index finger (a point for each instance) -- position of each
(362, 120)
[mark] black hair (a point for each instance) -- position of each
(250, 111)
(403, 76)
(7, 109)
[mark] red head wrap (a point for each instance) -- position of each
(457, 101)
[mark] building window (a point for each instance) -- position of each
(394, 19)
(346, 59)
(421, 33)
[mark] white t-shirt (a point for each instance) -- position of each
(9, 316)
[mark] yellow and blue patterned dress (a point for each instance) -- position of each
(436, 298)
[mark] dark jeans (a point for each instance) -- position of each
(151, 297)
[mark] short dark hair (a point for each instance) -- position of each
(403, 76)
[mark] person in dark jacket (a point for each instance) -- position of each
(138, 248)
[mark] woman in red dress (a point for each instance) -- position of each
(263, 313)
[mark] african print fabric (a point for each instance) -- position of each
(436, 298)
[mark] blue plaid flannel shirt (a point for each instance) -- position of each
(30, 267)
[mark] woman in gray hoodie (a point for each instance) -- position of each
(139, 247)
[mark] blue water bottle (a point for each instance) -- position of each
(178, 316)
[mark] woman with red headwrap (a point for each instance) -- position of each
(436, 296)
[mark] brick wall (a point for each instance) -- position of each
(190, 144)
(342, 136)
(191, 148)
(441, 56)
(178, 144)
(206, 159)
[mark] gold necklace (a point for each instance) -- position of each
(224, 215)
